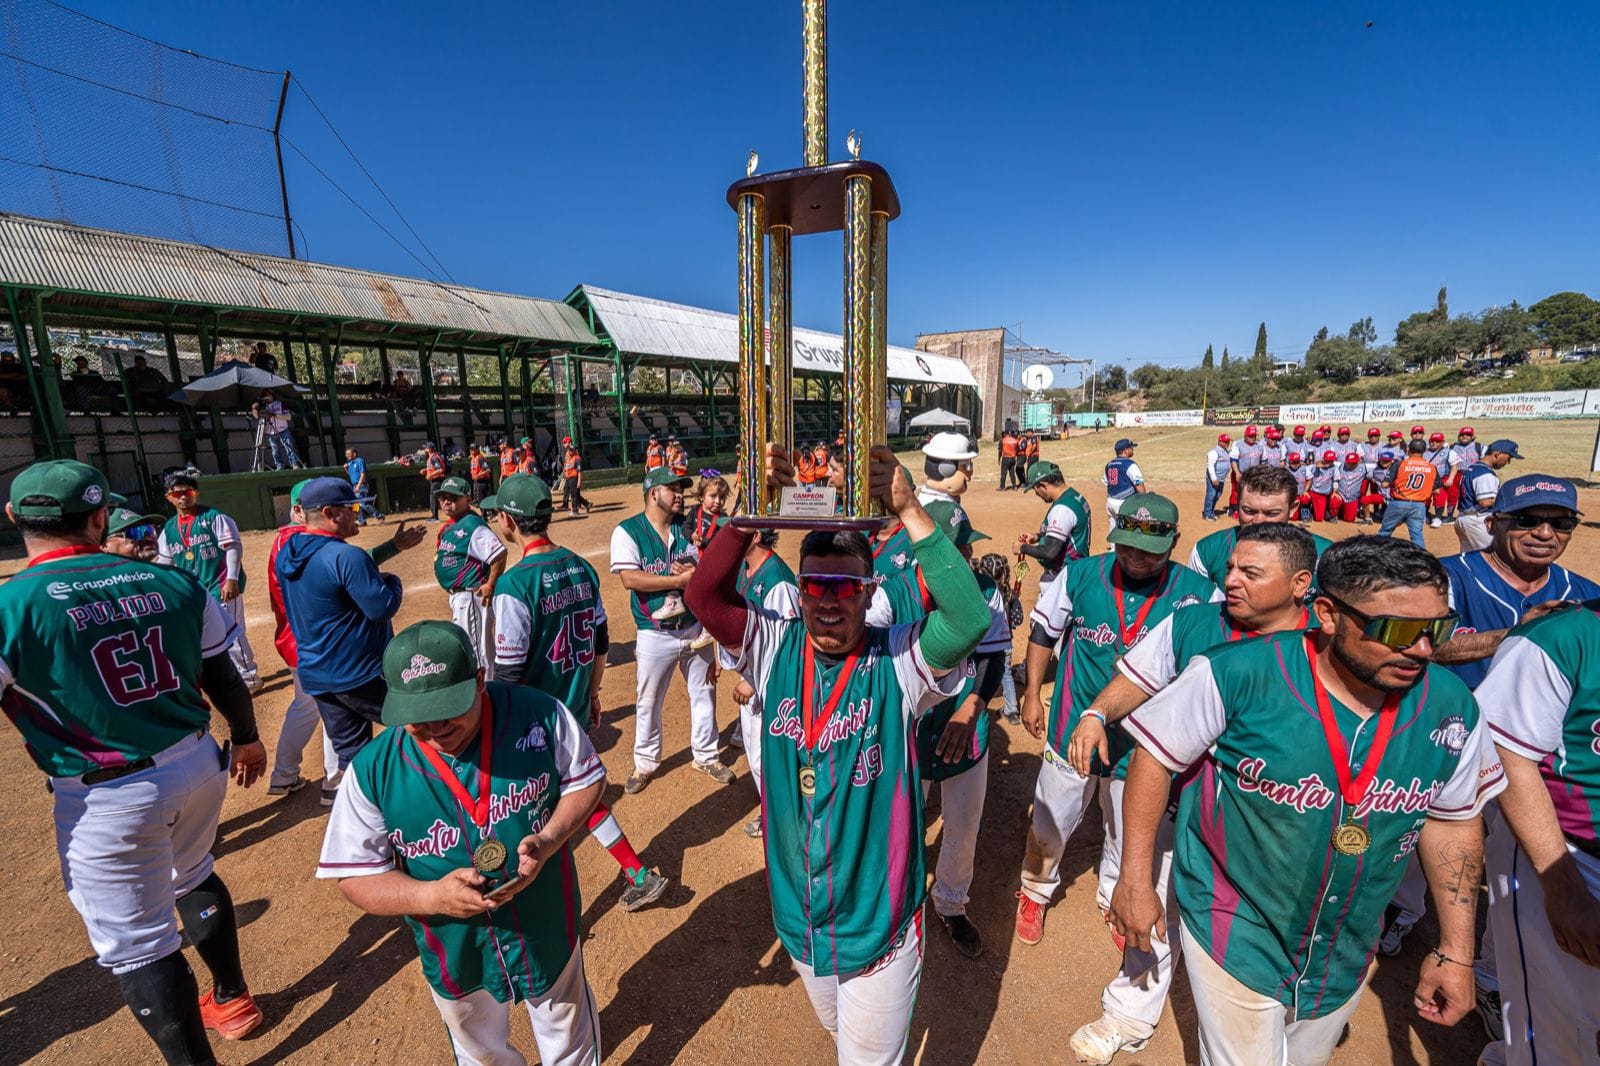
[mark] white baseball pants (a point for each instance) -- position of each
(1241, 1027)
(130, 847)
(1060, 797)
(869, 1011)
(750, 733)
(1548, 997)
(472, 615)
(656, 654)
(300, 720)
(1135, 1000)
(1472, 530)
(244, 659)
(961, 810)
(566, 1026)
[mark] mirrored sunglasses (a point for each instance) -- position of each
(1146, 525)
(839, 586)
(1400, 633)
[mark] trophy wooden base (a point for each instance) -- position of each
(841, 524)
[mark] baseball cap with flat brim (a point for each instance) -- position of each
(1509, 447)
(490, 502)
(522, 495)
(1138, 523)
(65, 486)
(952, 518)
(663, 475)
(122, 520)
(1041, 471)
(431, 672)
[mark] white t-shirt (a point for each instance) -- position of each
(278, 417)
(356, 843)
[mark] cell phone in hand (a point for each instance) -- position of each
(1137, 962)
(504, 890)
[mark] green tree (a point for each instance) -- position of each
(1507, 330)
(1337, 359)
(1260, 356)
(1566, 320)
(1363, 332)
(1113, 379)
(1441, 307)
(1322, 335)
(1206, 361)
(1224, 357)
(1149, 376)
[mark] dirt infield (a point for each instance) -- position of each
(698, 977)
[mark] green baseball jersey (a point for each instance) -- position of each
(1157, 660)
(844, 864)
(635, 545)
(1542, 699)
(466, 549)
(394, 812)
(199, 546)
(898, 599)
(894, 556)
(771, 585)
(1259, 883)
(546, 611)
(1211, 553)
(100, 658)
(931, 726)
(1085, 599)
(1068, 519)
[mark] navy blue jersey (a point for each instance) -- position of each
(1485, 602)
(1119, 480)
(1480, 480)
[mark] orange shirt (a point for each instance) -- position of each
(480, 468)
(802, 467)
(570, 469)
(1033, 447)
(508, 462)
(1413, 479)
(653, 457)
(1008, 446)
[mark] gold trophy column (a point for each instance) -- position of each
(752, 386)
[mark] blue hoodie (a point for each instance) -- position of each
(339, 607)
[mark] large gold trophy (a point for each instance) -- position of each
(854, 196)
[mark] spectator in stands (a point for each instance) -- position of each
(508, 459)
(434, 470)
(146, 384)
(355, 468)
(677, 458)
(262, 359)
(479, 470)
(403, 391)
(81, 371)
(279, 435)
(654, 454)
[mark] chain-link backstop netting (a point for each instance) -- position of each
(104, 128)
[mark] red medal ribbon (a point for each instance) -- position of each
(185, 529)
(535, 544)
(1144, 612)
(1235, 634)
(477, 809)
(1352, 791)
(63, 553)
(808, 672)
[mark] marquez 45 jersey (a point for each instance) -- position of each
(546, 611)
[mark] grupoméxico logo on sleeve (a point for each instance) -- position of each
(421, 666)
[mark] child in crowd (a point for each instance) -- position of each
(997, 569)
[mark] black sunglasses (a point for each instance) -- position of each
(1398, 632)
(1561, 523)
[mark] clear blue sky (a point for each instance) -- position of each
(1128, 181)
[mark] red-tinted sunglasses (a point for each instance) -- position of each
(839, 586)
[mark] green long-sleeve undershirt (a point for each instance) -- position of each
(960, 615)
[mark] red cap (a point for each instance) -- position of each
(1395, 434)
(1345, 430)
(1351, 458)
(1327, 428)
(1274, 432)
(1299, 429)
(1436, 437)
(566, 440)
(1294, 457)
(1223, 438)
(1466, 431)
(1374, 432)
(1417, 429)
(1249, 431)
(1329, 456)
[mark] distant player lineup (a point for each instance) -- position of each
(1297, 745)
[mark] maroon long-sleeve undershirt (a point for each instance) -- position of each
(713, 592)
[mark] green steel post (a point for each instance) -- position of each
(64, 446)
(466, 395)
(140, 464)
(425, 368)
(186, 417)
(391, 426)
(827, 407)
(288, 359)
(504, 359)
(527, 396)
(316, 398)
(219, 434)
(621, 379)
(335, 415)
(20, 333)
(573, 426)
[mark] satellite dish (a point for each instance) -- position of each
(1037, 378)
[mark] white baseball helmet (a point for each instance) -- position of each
(951, 447)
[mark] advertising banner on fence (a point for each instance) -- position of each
(1335, 413)
(1565, 404)
(1231, 416)
(1159, 418)
(1298, 413)
(1420, 407)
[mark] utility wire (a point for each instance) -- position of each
(312, 101)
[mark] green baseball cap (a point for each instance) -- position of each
(455, 486)
(522, 495)
(294, 493)
(490, 502)
(663, 475)
(950, 517)
(70, 487)
(432, 674)
(122, 520)
(1037, 472)
(1145, 507)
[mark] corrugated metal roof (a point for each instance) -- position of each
(54, 255)
(640, 325)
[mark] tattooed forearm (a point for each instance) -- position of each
(1458, 867)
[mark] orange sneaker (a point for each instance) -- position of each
(1116, 938)
(1030, 919)
(233, 1020)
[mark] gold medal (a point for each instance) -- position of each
(489, 857)
(189, 555)
(808, 781)
(1351, 839)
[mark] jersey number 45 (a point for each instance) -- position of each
(574, 643)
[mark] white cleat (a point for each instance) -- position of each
(1100, 1040)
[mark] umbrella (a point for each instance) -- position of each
(232, 385)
